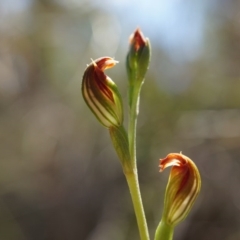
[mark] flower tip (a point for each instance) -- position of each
(161, 166)
(104, 63)
(173, 159)
(110, 63)
(137, 39)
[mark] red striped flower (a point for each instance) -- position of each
(183, 187)
(101, 93)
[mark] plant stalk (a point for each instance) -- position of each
(133, 113)
(133, 184)
(164, 232)
(132, 176)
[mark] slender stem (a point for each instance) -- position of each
(132, 177)
(132, 180)
(133, 113)
(164, 232)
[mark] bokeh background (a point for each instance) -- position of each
(59, 176)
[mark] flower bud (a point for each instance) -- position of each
(183, 187)
(138, 56)
(101, 93)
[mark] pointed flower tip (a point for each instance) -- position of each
(173, 159)
(101, 93)
(183, 187)
(104, 63)
(137, 39)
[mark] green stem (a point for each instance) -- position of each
(120, 143)
(135, 84)
(164, 232)
(132, 177)
(133, 113)
(132, 180)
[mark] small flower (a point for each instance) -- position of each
(137, 40)
(138, 56)
(183, 187)
(101, 93)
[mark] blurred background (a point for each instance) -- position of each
(59, 176)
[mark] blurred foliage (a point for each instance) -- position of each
(59, 176)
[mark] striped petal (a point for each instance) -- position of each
(101, 93)
(183, 187)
